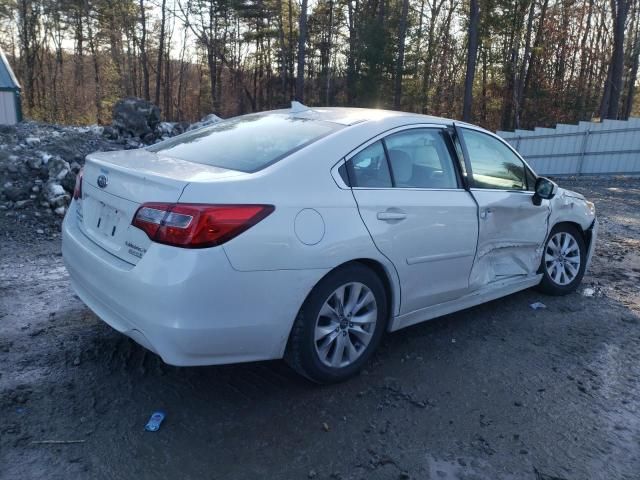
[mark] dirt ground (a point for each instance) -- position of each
(499, 391)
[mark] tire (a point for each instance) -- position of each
(561, 273)
(329, 358)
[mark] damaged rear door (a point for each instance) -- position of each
(511, 229)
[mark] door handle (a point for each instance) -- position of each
(387, 216)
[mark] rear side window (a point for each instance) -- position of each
(369, 168)
(414, 158)
(420, 158)
(248, 143)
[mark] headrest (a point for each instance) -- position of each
(401, 164)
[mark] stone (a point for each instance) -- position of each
(22, 203)
(110, 132)
(135, 116)
(69, 181)
(17, 193)
(58, 168)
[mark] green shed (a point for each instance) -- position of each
(10, 103)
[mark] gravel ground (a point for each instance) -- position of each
(499, 391)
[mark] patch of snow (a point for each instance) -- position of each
(45, 157)
(166, 128)
(538, 306)
(56, 189)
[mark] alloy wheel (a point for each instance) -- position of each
(562, 258)
(345, 325)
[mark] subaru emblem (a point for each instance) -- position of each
(102, 181)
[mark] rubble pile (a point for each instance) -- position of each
(39, 162)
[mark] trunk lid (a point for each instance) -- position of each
(115, 184)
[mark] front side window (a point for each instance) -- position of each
(420, 158)
(248, 143)
(369, 168)
(493, 164)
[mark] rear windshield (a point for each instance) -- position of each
(247, 143)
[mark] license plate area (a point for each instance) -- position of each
(107, 221)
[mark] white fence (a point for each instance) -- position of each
(610, 147)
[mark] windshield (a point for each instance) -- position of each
(247, 143)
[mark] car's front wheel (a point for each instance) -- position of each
(563, 260)
(339, 325)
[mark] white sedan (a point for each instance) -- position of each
(309, 233)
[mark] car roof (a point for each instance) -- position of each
(351, 116)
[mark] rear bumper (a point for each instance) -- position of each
(188, 306)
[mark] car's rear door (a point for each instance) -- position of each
(410, 197)
(512, 229)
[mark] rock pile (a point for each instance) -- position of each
(39, 162)
(136, 122)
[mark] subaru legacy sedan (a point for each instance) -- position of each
(306, 234)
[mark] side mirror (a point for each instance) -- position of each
(545, 189)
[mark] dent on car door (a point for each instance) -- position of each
(511, 229)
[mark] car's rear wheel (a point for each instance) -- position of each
(339, 325)
(563, 260)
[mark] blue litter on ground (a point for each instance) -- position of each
(153, 425)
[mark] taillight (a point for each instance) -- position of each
(77, 190)
(197, 225)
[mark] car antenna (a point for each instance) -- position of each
(297, 107)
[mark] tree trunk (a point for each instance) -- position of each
(583, 64)
(519, 93)
(620, 9)
(291, 51)
(352, 12)
(96, 70)
(419, 37)
(427, 74)
(302, 41)
(402, 32)
(283, 51)
(160, 52)
(483, 105)
(634, 60)
(143, 53)
(28, 27)
(329, 45)
(536, 46)
(472, 55)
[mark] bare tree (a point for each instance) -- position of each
(472, 55)
(143, 52)
(613, 84)
(302, 41)
(402, 32)
(160, 50)
(541, 61)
